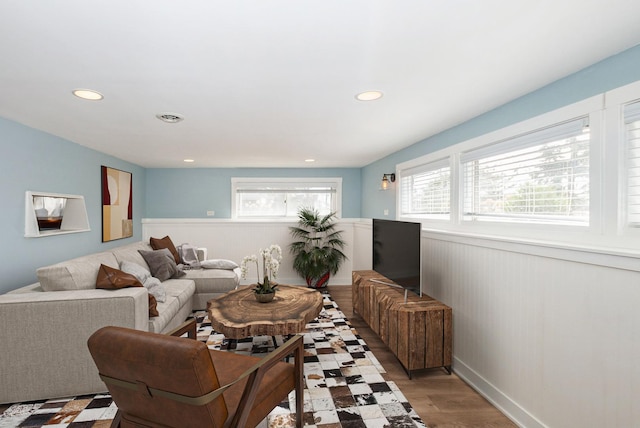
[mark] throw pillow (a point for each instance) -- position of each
(136, 270)
(219, 264)
(151, 283)
(162, 264)
(156, 288)
(166, 242)
(153, 306)
(112, 279)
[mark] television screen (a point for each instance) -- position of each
(397, 252)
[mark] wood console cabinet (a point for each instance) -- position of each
(418, 332)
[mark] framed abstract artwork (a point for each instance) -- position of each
(117, 204)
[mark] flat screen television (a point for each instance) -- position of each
(397, 252)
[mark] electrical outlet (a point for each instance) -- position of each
(211, 213)
(386, 212)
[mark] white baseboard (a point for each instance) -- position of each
(504, 403)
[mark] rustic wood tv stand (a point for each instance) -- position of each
(417, 331)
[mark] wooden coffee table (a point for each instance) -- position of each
(238, 314)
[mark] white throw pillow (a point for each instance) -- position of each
(136, 270)
(219, 264)
(152, 284)
(156, 289)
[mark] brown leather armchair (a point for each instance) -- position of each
(166, 381)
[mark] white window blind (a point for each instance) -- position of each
(542, 176)
(632, 160)
(425, 190)
(259, 198)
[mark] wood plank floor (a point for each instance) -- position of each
(440, 399)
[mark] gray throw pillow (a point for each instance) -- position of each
(162, 264)
(218, 264)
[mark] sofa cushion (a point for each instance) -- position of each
(75, 274)
(166, 242)
(214, 280)
(183, 289)
(179, 297)
(161, 264)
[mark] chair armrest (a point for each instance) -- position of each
(188, 327)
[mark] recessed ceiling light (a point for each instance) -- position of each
(88, 94)
(170, 117)
(309, 160)
(189, 160)
(369, 96)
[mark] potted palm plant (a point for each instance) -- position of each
(318, 247)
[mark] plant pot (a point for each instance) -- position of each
(265, 298)
(320, 282)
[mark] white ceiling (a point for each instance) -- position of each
(269, 83)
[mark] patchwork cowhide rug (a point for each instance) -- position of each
(344, 386)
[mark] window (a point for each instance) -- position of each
(632, 159)
(425, 191)
(539, 177)
(281, 198)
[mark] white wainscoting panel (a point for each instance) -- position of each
(550, 341)
(363, 245)
(233, 240)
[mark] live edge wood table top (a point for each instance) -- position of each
(238, 314)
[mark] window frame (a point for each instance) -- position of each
(286, 184)
(632, 220)
(615, 203)
(515, 149)
(430, 165)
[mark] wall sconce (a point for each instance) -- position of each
(386, 179)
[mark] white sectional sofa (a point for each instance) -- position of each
(45, 326)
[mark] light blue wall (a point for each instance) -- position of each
(611, 73)
(37, 161)
(191, 192)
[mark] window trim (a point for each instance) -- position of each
(285, 182)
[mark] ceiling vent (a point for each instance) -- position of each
(170, 117)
